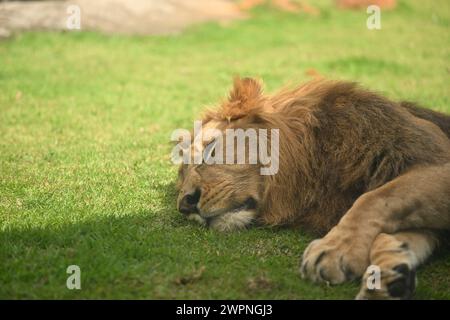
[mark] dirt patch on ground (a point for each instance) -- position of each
(114, 16)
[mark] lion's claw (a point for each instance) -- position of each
(332, 261)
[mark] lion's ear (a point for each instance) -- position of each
(245, 95)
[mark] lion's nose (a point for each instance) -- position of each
(188, 203)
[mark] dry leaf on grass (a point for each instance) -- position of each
(190, 278)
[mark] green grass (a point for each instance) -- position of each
(85, 175)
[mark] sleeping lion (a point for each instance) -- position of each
(369, 175)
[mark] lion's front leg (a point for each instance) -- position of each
(417, 199)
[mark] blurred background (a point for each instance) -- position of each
(146, 16)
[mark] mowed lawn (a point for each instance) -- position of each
(85, 171)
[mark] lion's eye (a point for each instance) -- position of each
(209, 152)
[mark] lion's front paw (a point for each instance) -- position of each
(197, 218)
(334, 259)
(398, 282)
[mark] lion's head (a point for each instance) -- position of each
(228, 196)
(224, 195)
